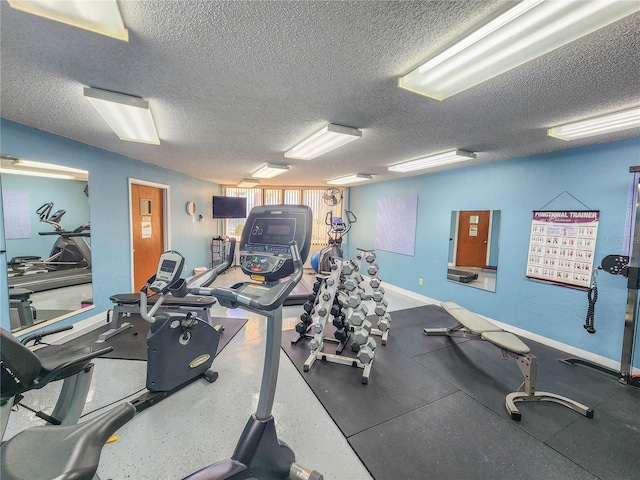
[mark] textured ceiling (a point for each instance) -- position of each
(233, 85)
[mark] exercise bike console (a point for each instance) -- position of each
(169, 268)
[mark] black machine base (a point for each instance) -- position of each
(149, 398)
(258, 454)
(631, 380)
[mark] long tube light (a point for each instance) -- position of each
(328, 138)
(32, 173)
(47, 166)
(101, 17)
(128, 116)
(530, 29)
(349, 179)
(591, 127)
(270, 170)
(433, 161)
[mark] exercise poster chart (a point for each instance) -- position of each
(562, 247)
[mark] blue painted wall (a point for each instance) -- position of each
(596, 175)
(109, 206)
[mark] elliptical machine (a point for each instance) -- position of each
(180, 348)
(275, 242)
(338, 228)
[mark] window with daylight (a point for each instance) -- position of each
(313, 197)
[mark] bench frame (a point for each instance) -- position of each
(125, 309)
(528, 365)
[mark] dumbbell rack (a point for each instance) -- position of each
(355, 313)
(374, 283)
(304, 325)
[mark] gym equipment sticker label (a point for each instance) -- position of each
(562, 246)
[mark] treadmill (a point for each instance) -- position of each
(462, 276)
(43, 281)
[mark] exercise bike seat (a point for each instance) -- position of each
(63, 452)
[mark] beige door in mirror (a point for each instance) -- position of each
(48, 241)
(473, 248)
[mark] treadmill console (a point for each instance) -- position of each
(169, 269)
(265, 245)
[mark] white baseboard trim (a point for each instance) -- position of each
(409, 293)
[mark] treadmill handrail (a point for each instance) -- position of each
(65, 234)
(271, 299)
(206, 278)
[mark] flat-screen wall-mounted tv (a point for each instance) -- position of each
(229, 207)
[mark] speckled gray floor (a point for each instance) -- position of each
(201, 424)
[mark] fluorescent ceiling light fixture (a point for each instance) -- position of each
(591, 127)
(101, 17)
(46, 166)
(32, 173)
(526, 31)
(329, 138)
(349, 179)
(433, 161)
(128, 116)
(248, 183)
(270, 170)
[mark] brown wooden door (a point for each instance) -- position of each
(473, 235)
(147, 226)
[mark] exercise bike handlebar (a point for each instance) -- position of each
(145, 313)
(270, 300)
(44, 211)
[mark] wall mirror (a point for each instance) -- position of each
(47, 241)
(473, 248)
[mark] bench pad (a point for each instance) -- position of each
(471, 321)
(507, 341)
(488, 331)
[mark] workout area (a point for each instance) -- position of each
(308, 240)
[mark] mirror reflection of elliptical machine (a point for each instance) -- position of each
(180, 348)
(275, 242)
(70, 250)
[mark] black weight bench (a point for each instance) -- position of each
(128, 303)
(471, 325)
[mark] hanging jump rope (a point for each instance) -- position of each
(592, 295)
